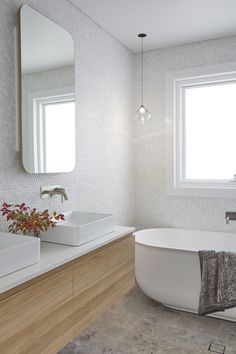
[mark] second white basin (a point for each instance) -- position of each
(17, 252)
(80, 227)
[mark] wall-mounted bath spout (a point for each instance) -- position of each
(230, 215)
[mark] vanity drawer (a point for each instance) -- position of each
(101, 279)
(100, 263)
(39, 318)
(94, 300)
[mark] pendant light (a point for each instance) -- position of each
(142, 114)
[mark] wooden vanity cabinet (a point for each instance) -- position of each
(100, 279)
(44, 314)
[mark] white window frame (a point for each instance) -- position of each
(176, 82)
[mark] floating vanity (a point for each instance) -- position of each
(44, 306)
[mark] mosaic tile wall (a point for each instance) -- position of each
(117, 170)
(153, 207)
(103, 177)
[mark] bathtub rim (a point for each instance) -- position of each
(167, 248)
(187, 249)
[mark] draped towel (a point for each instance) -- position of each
(218, 281)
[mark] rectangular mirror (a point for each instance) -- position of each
(48, 94)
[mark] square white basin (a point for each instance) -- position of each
(80, 227)
(17, 252)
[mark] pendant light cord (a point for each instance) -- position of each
(142, 71)
(142, 35)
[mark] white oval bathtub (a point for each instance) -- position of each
(167, 265)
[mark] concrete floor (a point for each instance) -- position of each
(138, 324)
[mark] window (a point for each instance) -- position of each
(201, 127)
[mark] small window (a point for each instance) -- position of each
(201, 121)
(210, 131)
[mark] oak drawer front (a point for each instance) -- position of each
(97, 265)
(28, 319)
(94, 300)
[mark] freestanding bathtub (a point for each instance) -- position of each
(167, 265)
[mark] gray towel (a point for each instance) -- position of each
(218, 281)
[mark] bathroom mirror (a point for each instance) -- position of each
(48, 94)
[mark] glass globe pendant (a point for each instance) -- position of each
(142, 114)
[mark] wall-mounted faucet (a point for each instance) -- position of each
(52, 191)
(230, 215)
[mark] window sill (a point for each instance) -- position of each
(197, 191)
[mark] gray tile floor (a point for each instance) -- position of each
(138, 324)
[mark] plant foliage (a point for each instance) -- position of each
(29, 221)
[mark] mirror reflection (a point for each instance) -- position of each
(48, 95)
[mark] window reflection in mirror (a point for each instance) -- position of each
(48, 95)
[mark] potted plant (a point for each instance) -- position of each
(29, 221)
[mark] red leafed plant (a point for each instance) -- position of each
(29, 221)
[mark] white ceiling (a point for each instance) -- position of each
(167, 22)
(44, 44)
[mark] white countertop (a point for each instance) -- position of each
(54, 255)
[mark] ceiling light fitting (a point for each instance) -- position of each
(142, 114)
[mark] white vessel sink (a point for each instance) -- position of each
(17, 252)
(80, 227)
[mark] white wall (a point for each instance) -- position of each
(103, 177)
(153, 206)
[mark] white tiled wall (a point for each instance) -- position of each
(153, 207)
(103, 177)
(107, 148)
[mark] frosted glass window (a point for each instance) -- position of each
(59, 123)
(210, 131)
